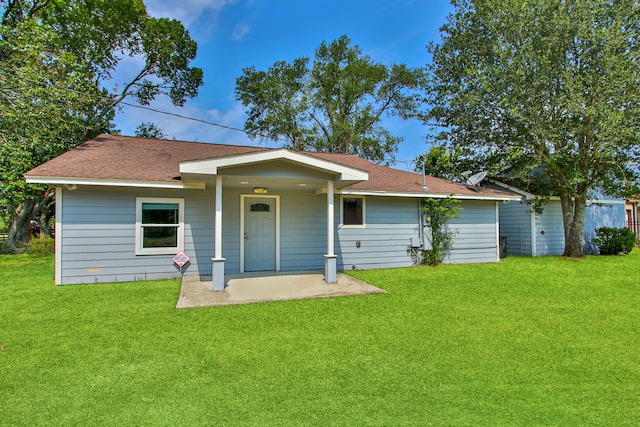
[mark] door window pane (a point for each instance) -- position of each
(260, 207)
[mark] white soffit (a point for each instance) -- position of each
(211, 166)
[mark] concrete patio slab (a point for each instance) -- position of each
(248, 289)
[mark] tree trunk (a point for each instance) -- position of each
(18, 235)
(573, 216)
(42, 210)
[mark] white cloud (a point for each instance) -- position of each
(239, 32)
(185, 11)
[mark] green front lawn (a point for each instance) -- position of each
(543, 341)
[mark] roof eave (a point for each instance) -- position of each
(431, 195)
(59, 180)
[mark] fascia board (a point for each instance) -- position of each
(527, 195)
(54, 180)
(514, 189)
(427, 195)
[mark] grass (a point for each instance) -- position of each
(544, 341)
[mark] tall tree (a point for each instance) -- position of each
(334, 105)
(543, 83)
(57, 59)
(44, 113)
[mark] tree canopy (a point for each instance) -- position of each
(445, 162)
(150, 130)
(547, 84)
(57, 60)
(336, 104)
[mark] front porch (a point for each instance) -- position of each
(252, 176)
(249, 288)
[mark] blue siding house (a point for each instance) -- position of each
(535, 234)
(126, 206)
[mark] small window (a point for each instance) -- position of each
(353, 211)
(159, 226)
(260, 207)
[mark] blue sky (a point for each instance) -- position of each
(233, 34)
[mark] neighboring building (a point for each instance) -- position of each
(632, 211)
(533, 234)
(125, 206)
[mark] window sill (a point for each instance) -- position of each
(163, 251)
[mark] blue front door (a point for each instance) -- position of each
(260, 234)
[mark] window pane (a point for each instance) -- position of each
(352, 211)
(259, 207)
(159, 237)
(160, 213)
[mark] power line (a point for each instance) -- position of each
(407, 163)
(142, 107)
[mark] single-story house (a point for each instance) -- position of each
(534, 234)
(126, 206)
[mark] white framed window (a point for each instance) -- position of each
(352, 211)
(159, 226)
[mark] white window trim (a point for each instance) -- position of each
(364, 211)
(159, 251)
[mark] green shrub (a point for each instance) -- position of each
(43, 246)
(614, 241)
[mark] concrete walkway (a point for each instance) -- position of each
(248, 289)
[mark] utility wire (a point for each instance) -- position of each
(142, 107)
(407, 163)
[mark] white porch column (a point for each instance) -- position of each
(217, 272)
(330, 257)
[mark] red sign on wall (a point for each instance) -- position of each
(180, 259)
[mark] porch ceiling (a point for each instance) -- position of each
(271, 183)
(249, 182)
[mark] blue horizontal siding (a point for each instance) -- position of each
(98, 234)
(303, 231)
(392, 224)
(549, 229)
(475, 233)
(605, 213)
(515, 225)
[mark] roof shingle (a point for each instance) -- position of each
(142, 159)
